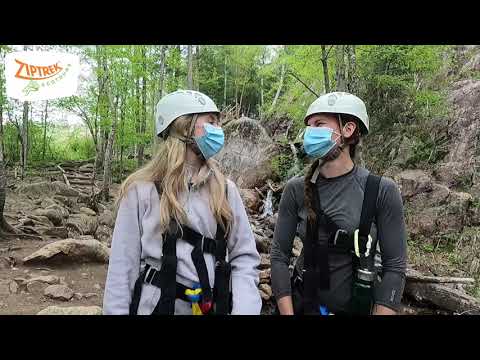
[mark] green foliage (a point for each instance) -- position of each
(281, 164)
(397, 83)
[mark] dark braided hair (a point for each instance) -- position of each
(309, 189)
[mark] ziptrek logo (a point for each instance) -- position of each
(32, 72)
(35, 75)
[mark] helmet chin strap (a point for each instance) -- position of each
(340, 122)
(190, 141)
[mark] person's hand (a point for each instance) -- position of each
(383, 310)
(285, 305)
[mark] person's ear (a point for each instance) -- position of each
(349, 128)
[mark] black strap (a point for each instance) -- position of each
(194, 238)
(321, 256)
(222, 275)
(137, 292)
(168, 273)
(367, 217)
(309, 276)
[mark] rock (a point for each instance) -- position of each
(251, 199)
(4, 288)
(473, 65)
(97, 287)
(423, 223)
(60, 209)
(246, 157)
(404, 153)
(88, 211)
(297, 243)
(71, 310)
(89, 295)
(413, 182)
(81, 224)
(4, 263)
(263, 244)
(65, 201)
(264, 261)
(48, 279)
(58, 292)
(458, 166)
(107, 219)
(41, 220)
(43, 188)
(53, 214)
(71, 250)
(85, 237)
(103, 233)
(59, 232)
(265, 276)
(265, 291)
(47, 202)
(13, 287)
(101, 208)
(36, 287)
(78, 296)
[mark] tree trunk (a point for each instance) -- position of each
(326, 78)
(143, 121)
(352, 84)
(280, 86)
(261, 98)
(340, 68)
(45, 130)
(197, 68)
(1, 126)
(225, 83)
(122, 135)
(107, 170)
(190, 68)
(3, 178)
(236, 89)
(162, 70)
(24, 136)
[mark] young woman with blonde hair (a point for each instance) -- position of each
(182, 243)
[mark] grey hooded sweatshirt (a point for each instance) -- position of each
(137, 240)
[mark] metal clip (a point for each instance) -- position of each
(355, 244)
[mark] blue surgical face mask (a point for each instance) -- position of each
(317, 141)
(211, 142)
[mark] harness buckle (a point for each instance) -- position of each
(339, 231)
(148, 278)
(355, 243)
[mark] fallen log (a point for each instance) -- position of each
(443, 296)
(415, 276)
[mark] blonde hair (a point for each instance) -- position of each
(167, 167)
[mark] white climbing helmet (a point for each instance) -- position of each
(181, 102)
(341, 103)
